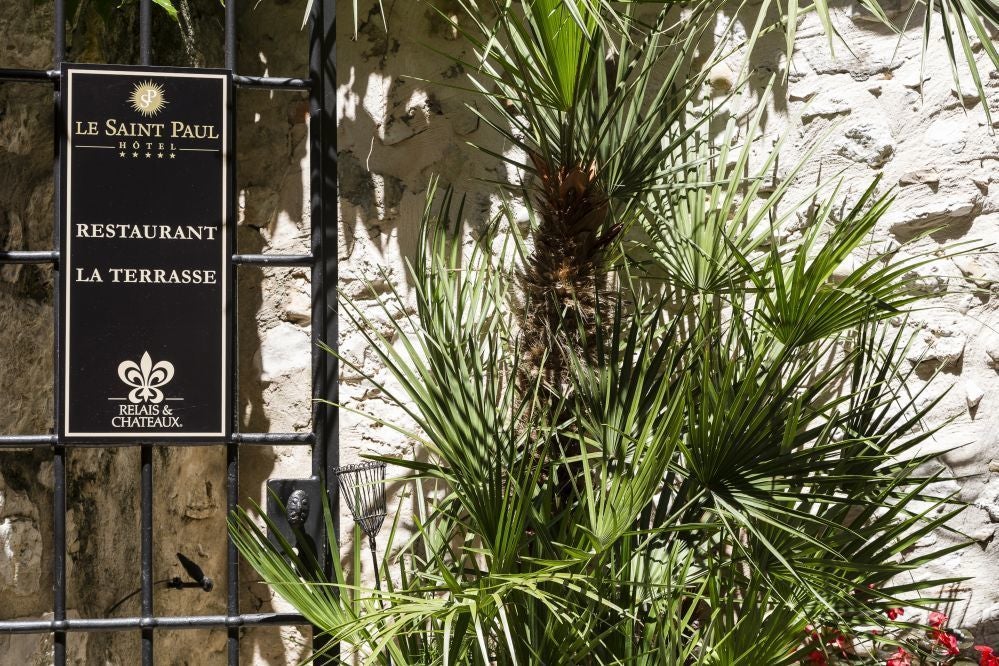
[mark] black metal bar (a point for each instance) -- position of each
(244, 438)
(21, 441)
(29, 75)
(323, 191)
(59, 43)
(59, 552)
(146, 502)
(273, 259)
(145, 32)
(274, 438)
(232, 555)
(51, 257)
(58, 452)
(289, 83)
(272, 83)
(327, 262)
(161, 622)
(230, 35)
(146, 552)
(29, 257)
(232, 449)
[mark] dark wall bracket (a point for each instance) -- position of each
(295, 506)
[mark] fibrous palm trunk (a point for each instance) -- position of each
(564, 281)
(564, 285)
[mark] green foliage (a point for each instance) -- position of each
(729, 488)
(728, 451)
(167, 6)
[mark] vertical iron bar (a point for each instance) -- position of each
(59, 552)
(231, 449)
(146, 540)
(59, 45)
(323, 186)
(146, 501)
(58, 451)
(145, 32)
(322, 69)
(230, 35)
(316, 207)
(232, 555)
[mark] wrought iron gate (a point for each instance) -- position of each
(321, 86)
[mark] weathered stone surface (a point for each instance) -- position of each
(924, 176)
(284, 350)
(36, 649)
(947, 133)
(945, 350)
(940, 211)
(867, 143)
(825, 106)
(973, 394)
(979, 269)
(20, 543)
(989, 502)
(865, 61)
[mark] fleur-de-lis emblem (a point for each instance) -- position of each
(146, 378)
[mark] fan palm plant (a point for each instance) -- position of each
(658, 429)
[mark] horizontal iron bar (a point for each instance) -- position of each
(273, 438)
(30, 75)
(52, 257)
(168, 622)
(28, 257)
(260, 82)
(18, 441)
(273, 259)
(272, 82)
(250, 438)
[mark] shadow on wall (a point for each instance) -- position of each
(403, 117)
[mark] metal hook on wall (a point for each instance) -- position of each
(200, 580)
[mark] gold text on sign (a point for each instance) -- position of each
(175, 129)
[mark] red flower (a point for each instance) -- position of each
(900, 658)
(988, 657)
(816, 657)
(948, 641)
(895, 613)
(937, 619)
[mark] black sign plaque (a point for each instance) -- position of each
(146, 246)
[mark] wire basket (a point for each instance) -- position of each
(363, 488)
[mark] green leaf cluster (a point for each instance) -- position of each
(729, 451)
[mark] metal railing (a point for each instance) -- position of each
(321, 86)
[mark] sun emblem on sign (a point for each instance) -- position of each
(147, 98)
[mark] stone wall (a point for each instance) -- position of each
(274, 350)
(936, 150)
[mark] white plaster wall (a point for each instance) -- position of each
(402, 120)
